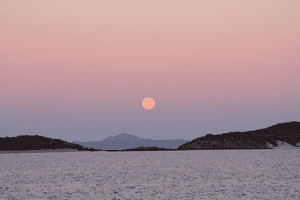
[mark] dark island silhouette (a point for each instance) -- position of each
(36, 142)
(150, 148)
(142, 148)
(266, 138)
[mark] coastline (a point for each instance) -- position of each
(39, 151)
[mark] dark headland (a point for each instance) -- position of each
(36, 142)
(258, 139)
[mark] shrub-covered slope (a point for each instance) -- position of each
(36, 142)
(288, 132)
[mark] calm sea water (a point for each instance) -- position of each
(230, 174)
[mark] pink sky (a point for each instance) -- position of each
(97, 61)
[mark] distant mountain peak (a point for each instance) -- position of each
(124, 137)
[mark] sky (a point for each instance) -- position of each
(79, 70)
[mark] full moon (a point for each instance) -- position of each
(148, 103)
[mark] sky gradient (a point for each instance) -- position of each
(79, 70)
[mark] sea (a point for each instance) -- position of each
(200, 174)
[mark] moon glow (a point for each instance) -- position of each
(148, 103)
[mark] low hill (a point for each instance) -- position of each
(36, 142)
(258, 139)
(148, 148)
